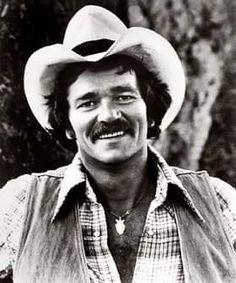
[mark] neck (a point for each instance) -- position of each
(119, 185)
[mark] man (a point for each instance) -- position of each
(118, 213)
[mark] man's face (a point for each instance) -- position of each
(108, 115)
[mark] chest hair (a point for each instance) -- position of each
(124, 248)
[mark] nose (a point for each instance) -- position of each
(108, 112)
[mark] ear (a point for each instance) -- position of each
(70, 134)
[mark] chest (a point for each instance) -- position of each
(125, 247)
(149, 247)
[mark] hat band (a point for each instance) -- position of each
(93, 47)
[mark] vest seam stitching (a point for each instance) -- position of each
(192, 173)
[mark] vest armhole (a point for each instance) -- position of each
(217, 205)
(25, 222)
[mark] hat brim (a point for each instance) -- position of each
(158, 56)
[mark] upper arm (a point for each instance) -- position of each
(226, 195)
(12, 206)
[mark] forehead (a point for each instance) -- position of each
(99, 81)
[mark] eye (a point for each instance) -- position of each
(88, 104)
(125, 98)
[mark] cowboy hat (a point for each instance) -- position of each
(96, 24)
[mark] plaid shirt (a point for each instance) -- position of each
(159, 254)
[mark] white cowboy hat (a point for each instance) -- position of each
(94, 23)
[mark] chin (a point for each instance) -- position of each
(112, 157)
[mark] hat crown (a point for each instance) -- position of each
(92, 23)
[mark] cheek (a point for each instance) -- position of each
(142, 113)
(76, 122)
(81, 123)
(138, 116)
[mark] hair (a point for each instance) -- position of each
(154, 92)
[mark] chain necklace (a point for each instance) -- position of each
(120, 220)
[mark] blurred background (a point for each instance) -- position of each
(202, 32)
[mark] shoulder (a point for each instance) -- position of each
(18, 187)
(15, 191)
(13, 197)
(226, 194)
(180, 171)
(55, 173)
(224, 190)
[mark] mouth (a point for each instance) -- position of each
(113, 130)
(111, 135)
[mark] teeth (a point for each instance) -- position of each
(107, 136)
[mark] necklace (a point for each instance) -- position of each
(120, 220)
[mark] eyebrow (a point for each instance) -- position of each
(123, 89)
(115, 89)
(87, 96)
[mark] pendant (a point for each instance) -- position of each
(120, 226)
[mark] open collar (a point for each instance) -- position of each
(170, 178)
(74, 175)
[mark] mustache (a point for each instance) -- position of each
(103, 128)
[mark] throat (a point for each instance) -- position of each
(119, 186)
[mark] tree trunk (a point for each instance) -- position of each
(219, 155)
(200, 32)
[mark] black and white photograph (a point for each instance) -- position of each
(117, 141)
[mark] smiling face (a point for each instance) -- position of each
(108, 115)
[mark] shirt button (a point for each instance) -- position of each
(150, 232)
(96, 234)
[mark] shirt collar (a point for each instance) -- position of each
(74, 175)
(170, 178)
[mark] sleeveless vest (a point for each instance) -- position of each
(207, 254)
(53, 252)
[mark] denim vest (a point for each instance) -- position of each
(53, 252)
